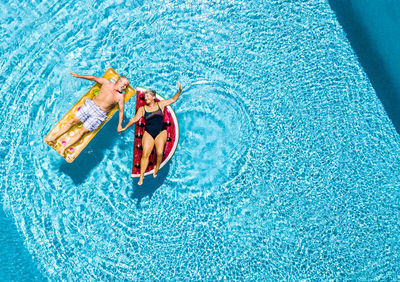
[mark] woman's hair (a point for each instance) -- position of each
(152, 92)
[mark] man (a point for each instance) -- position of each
(95, 111)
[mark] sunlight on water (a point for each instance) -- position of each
(287, 165)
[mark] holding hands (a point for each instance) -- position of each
(139, 114)
(120, 129)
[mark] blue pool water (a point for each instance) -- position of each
(287, 166)
(372, 28)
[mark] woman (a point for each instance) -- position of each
(155, 132)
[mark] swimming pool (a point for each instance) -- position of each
(287, 166)
(372, 29)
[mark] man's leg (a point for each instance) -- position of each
(64, 128)
(74, 139)
(148, 145)
(160, 144)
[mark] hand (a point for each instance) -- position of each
(180, 86)
(120, 129)
(74, 74)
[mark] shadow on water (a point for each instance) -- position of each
(369, 58)
(149, 186)
(16, 262)
(93, 154)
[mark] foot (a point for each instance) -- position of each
(62, 151)
(155, 173)
(140, 181)
(50, 139)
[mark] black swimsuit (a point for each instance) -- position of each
(154, 121)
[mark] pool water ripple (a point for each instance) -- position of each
(286, 157)
(215, 124)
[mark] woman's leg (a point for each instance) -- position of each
(148, 144)
(160, 140)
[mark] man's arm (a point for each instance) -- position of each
(173, 99)
(121, 105)
(100, 80)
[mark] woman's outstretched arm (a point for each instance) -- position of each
(135, 119)
(173, 99)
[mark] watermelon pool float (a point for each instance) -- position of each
(172, 127)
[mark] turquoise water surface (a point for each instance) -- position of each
(372, 28)
(287, 165)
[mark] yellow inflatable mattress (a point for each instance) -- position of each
(72, 152)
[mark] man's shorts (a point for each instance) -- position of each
(91, 115)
